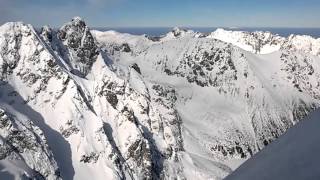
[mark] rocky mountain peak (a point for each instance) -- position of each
(46, 33)
(76, 24)
(78, 21)
(79, 46)
(178, 31)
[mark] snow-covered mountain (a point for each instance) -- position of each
(292, 156)
(107, 105)
(265, 42)
(257, 42)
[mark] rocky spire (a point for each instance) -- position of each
(82, 50)
(46, 34)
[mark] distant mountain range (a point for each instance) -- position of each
(158, 31)
(77, 103)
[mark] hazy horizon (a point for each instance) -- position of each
(165, 13)
(158, 31)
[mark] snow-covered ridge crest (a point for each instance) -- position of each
(257, 42)
(265, 42)
(303, 43)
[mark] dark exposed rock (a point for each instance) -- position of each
(129, 114)
(46, 33)
(141, 154)
(76, 37)
(154, 38)
(89, 158)
(11, 56)
(125, 47)
(136, 67)
(198, 66)
(69, 131)
(112, 99)
(22, 140)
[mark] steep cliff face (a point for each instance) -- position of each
(106, 105)
(21, 141)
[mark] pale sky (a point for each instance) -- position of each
(165, 13)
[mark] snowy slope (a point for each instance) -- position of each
(292, 156)
(120, 106)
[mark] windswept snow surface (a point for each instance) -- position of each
(293, 156)
(107, 105)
